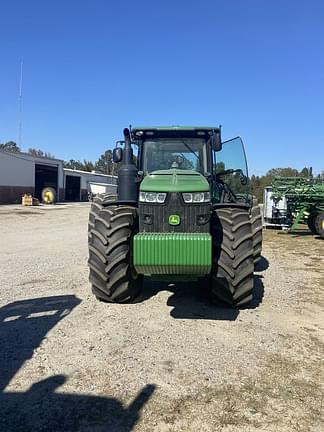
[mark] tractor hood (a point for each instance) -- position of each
(174, 180)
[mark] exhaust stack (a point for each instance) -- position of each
(127, 173)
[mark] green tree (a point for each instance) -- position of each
(220, 167)
(73, 164)
(10, 146)
(305, 172)
(105, 163)
(283, 172)
(88, 165)
(40, 153)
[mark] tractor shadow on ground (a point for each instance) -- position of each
(23, 326)
(41, 408)
(190, 300)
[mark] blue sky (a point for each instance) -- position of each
(93, 67)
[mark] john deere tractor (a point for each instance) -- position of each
(182, 212)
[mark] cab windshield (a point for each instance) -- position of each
(167, 153)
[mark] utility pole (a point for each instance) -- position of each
(20, 105)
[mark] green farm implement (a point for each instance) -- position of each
(182, 212)
(304, 198)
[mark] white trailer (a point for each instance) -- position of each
(95, 188)
(274, 213)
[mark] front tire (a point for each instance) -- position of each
(233, 266)
(112, 275)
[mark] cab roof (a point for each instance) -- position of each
(146, 132)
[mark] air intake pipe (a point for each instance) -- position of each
(127, 173)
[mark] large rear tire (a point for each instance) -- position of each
(319, 224)
(112, 275)
(256, 223)
(232, 271)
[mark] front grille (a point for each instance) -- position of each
(194, 218)
(172, 253)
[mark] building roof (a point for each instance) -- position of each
(27, 156)
(88, 172)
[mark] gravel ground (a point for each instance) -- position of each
(171, 361)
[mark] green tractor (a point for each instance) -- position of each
(182, 212)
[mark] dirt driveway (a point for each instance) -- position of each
(171, 362)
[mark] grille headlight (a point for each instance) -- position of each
(153, 197)
(196, 197)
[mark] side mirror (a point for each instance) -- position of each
(216, 142)
(117, 154)
(243, 179)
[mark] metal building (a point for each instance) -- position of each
(22, 173)
(78, 183)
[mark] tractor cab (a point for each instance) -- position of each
(185, 148)
(197, 149)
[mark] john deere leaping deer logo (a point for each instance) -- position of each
(174, 220)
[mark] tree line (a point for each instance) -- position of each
(13, 147)
(104, 164)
